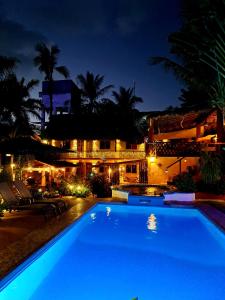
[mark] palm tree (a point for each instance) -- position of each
(127, 117)
(16, 106)
(7, 65)
(92, 89)
(200, 52)
(46, 61)
(126, 99)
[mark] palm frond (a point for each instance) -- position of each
(63, 71)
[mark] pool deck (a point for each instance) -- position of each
(22, 233)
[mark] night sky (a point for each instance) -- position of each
(114, 38)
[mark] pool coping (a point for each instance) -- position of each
(214, 215)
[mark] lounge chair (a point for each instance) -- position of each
(26, 195)
(13, 203)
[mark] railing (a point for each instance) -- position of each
(176, 149)
(101, 155)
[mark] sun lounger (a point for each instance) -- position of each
(13, 203)
(25, 194)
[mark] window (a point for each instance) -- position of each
(131, 146)
(104, 144)
(66, 144)
(101, 169)
(131, 169)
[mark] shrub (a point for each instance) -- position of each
(211, 167)
(75, 187)
(184, 182)
(217, 188)
(100, 186)
(2, 208)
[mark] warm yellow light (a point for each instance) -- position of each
(44, 141)
(13, 165)
(78, 187)
(8, 154)
(70, 186)
(152, 159)
(110, 170)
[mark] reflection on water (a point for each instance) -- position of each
(93, 216)
(108, 211)
(152, 223)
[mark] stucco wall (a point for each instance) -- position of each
(159, 171)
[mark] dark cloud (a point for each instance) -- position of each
(132, 14)
(80, 16)
(111, 37)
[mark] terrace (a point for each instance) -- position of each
(179, 148)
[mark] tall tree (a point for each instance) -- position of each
(127, 116)
(16, 105)
(198, 49)
(92, 90)
(7, 65)
(126, 99)
(47, 63)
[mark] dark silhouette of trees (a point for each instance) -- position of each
(199, 52)
(92, 90)
(47, 63)
(16, 106)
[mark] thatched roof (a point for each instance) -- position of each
(176, 122)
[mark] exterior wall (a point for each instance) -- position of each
(90, 157)
(158, 172)
(58, 100)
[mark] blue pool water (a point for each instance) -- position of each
(118, 252)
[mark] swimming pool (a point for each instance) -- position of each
(121, 252)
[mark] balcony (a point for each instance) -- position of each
(100, 155)
(177, 149)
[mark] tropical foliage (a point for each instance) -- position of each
(211, 167)
(16, 105)
(184, 182)
(92, 90)
(47, 63)
(199, 51)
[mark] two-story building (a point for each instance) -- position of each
(173, 144)
(176, 141)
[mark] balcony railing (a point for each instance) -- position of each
(177, 149)
(101, 155)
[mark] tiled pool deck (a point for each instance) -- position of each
(39, 232)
